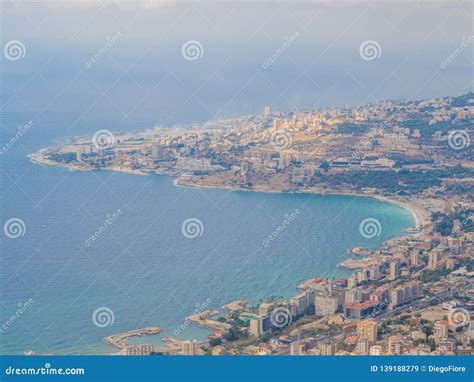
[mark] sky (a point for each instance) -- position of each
(126, 61)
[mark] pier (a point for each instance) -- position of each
(120, 340)
(202, 319)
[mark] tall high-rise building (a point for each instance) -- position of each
(154, 152)
(441, 329)
(362, 346)
(351, 282)
(361, 275)
(368, 328)
(143, 349)
(266, 111)
(393, 270)
(300, 301)
(266, 308)
(375, 350)
(257, 326)
(297, 348)
(325, 306)
(394, 345)
(79, 154)
(414, 258)
(433, 258)
(374, 272)
(189, 347)
(328, 348)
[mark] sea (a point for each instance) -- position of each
(90, 254)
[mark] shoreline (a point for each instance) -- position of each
(419, 215)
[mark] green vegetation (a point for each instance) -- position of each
(215, 341)
(433, 276)
(444, 225)
(65, 158)
(233, 334)
(427, 130)
(402, 182)
(352, 128)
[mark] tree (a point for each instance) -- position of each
(324, 165)
(215, 341)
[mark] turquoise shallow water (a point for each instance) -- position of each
(143, 268)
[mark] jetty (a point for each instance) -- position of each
(202, 319)
(119, 340)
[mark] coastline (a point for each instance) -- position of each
(419, 215)
(39, 159)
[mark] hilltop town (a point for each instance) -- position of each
(414, 295)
